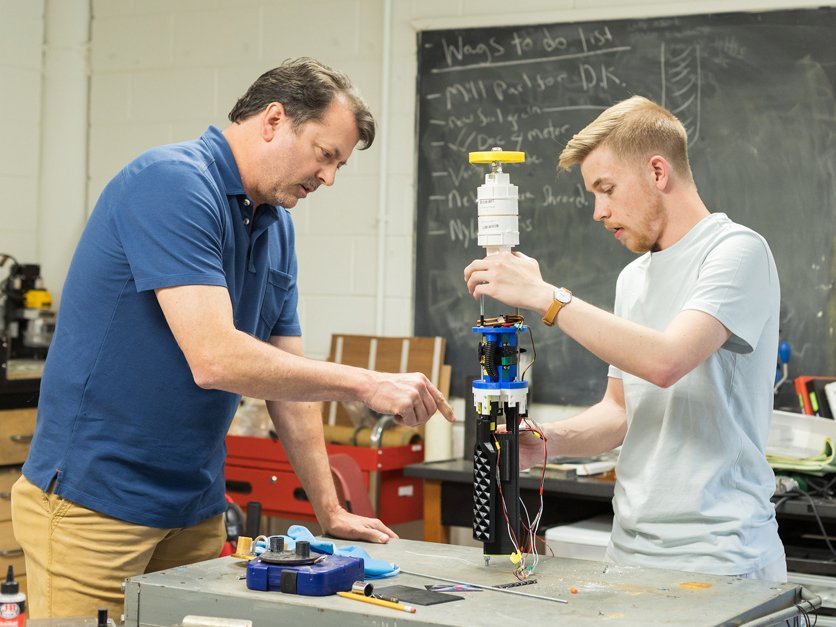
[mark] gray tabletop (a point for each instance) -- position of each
(595, 592)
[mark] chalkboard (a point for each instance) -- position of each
(754, 90)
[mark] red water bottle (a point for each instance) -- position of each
(12, 601)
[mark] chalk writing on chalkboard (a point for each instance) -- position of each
(755, 92)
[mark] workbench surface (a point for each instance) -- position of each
(596, 593)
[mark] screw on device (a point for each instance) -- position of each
(303, 549)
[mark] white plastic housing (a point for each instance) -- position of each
(498, 213)
(483, 398)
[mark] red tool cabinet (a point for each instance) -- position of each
(257, 469)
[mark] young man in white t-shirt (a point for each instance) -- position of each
(691, 349)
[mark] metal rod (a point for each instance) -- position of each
(476, 585)
(779, 616)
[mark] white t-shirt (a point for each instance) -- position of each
(693, 484)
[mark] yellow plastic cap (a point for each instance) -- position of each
(501, 156)
(37, 299)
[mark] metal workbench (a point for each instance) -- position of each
(595, 593)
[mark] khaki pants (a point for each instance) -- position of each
(77, 559)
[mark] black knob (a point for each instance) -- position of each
(303, 549)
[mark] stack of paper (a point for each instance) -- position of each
(802, 443)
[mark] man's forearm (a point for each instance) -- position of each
(628, 346)
(221, 357)
(660, 357)
(247, 366)
(299, 426)
(596, 430)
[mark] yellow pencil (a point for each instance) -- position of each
(380, 602)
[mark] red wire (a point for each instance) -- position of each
(531, 536)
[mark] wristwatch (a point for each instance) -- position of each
(562, 297)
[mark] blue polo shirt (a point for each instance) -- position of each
(121, 426)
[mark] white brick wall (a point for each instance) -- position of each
(162, 70)
(21, 37)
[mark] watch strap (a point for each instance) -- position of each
(551, 313)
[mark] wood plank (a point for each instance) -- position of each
(10, 551)
(7, 478)
(434, 531)
(17, 426)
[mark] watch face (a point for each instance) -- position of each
(563, 295)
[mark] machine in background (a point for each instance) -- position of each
(27, 323)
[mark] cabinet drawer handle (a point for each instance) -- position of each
(240, 487)
(21, 438)
(7, 496)
(11, 552)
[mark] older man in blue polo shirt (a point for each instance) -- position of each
(180, 298)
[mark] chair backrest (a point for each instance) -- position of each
(384, 354)
(351, 489)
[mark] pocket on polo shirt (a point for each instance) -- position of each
(275, 294)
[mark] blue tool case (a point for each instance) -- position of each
(328, 575)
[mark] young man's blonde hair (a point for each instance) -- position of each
(636, 128)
